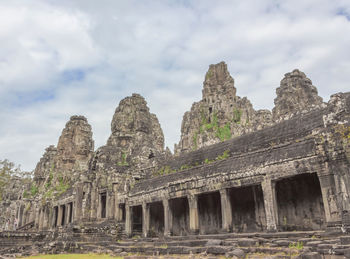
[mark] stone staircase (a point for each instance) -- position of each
(279, 245)
(312, 244)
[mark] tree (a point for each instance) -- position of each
(8, 170)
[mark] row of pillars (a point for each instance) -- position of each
(60, 215)
(270, 203)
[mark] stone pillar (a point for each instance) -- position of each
(94, 198)
(52, 218)
(110, 205)
(116, 212)
(119, 212)
(37, 217)
(167, 218)
(145, 219)
(194, 214)
(270, 203)
(20, 216)
(41, 219)
(226, 211)
(68, 211)
(98, 207)
(59, 216)
(46, 217)
(78, 203)
(128, 220)
(329, 197)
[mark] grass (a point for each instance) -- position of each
(298, 245)
(74, 256)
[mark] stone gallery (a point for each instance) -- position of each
(236, 173)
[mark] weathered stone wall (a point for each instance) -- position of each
(221, 115)
(305, 144)
(230, 169)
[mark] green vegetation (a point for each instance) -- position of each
(167, 169)
(55, 188)
(62, 186)
(34, 190)
(224, 133)
(25, 194)
(49, 180)
(221, 132)
(343, 131)
(208, 75)
(28, 206)
(296, 245)
(237, 114)
(164, 170)
(223, 156)
(195, 137)
(184, 167)
(74, 256)
(123, 158)
(9, 170)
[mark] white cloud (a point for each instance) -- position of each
(60, 58)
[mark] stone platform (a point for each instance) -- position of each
(306, 244)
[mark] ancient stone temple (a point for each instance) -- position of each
(280, 177)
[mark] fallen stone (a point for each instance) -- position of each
(283, 242)
(217, 250)
(213, 242)
(345, 240)
(312, 255)
(239, 253)
(247, 242)
(314, 243)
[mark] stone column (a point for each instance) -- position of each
(329, 197)
(41, 219)
(270, 202)
(98, 205)
(128, 220)
(167, 218)
(194, 214)
(46, 217)
(20, 216)
(145, 219)
(116, 212)
(37, 217)
(78, 204)
(110, 205)
(53, 217)
(226, 211)
(68, 210)
(59, 216)
(94, 198)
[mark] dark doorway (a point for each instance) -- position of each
(248, 211)
(156, 227)
(180, 216)
(209, 206)
(300, 204)
(63, 208)
(55, 211)
(103, 204)
(137, 219)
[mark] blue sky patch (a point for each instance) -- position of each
(73, 75)
(27, 99)
(344, 13)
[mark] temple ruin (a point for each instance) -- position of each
(235, 170)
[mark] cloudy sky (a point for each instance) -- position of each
(64, 57)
